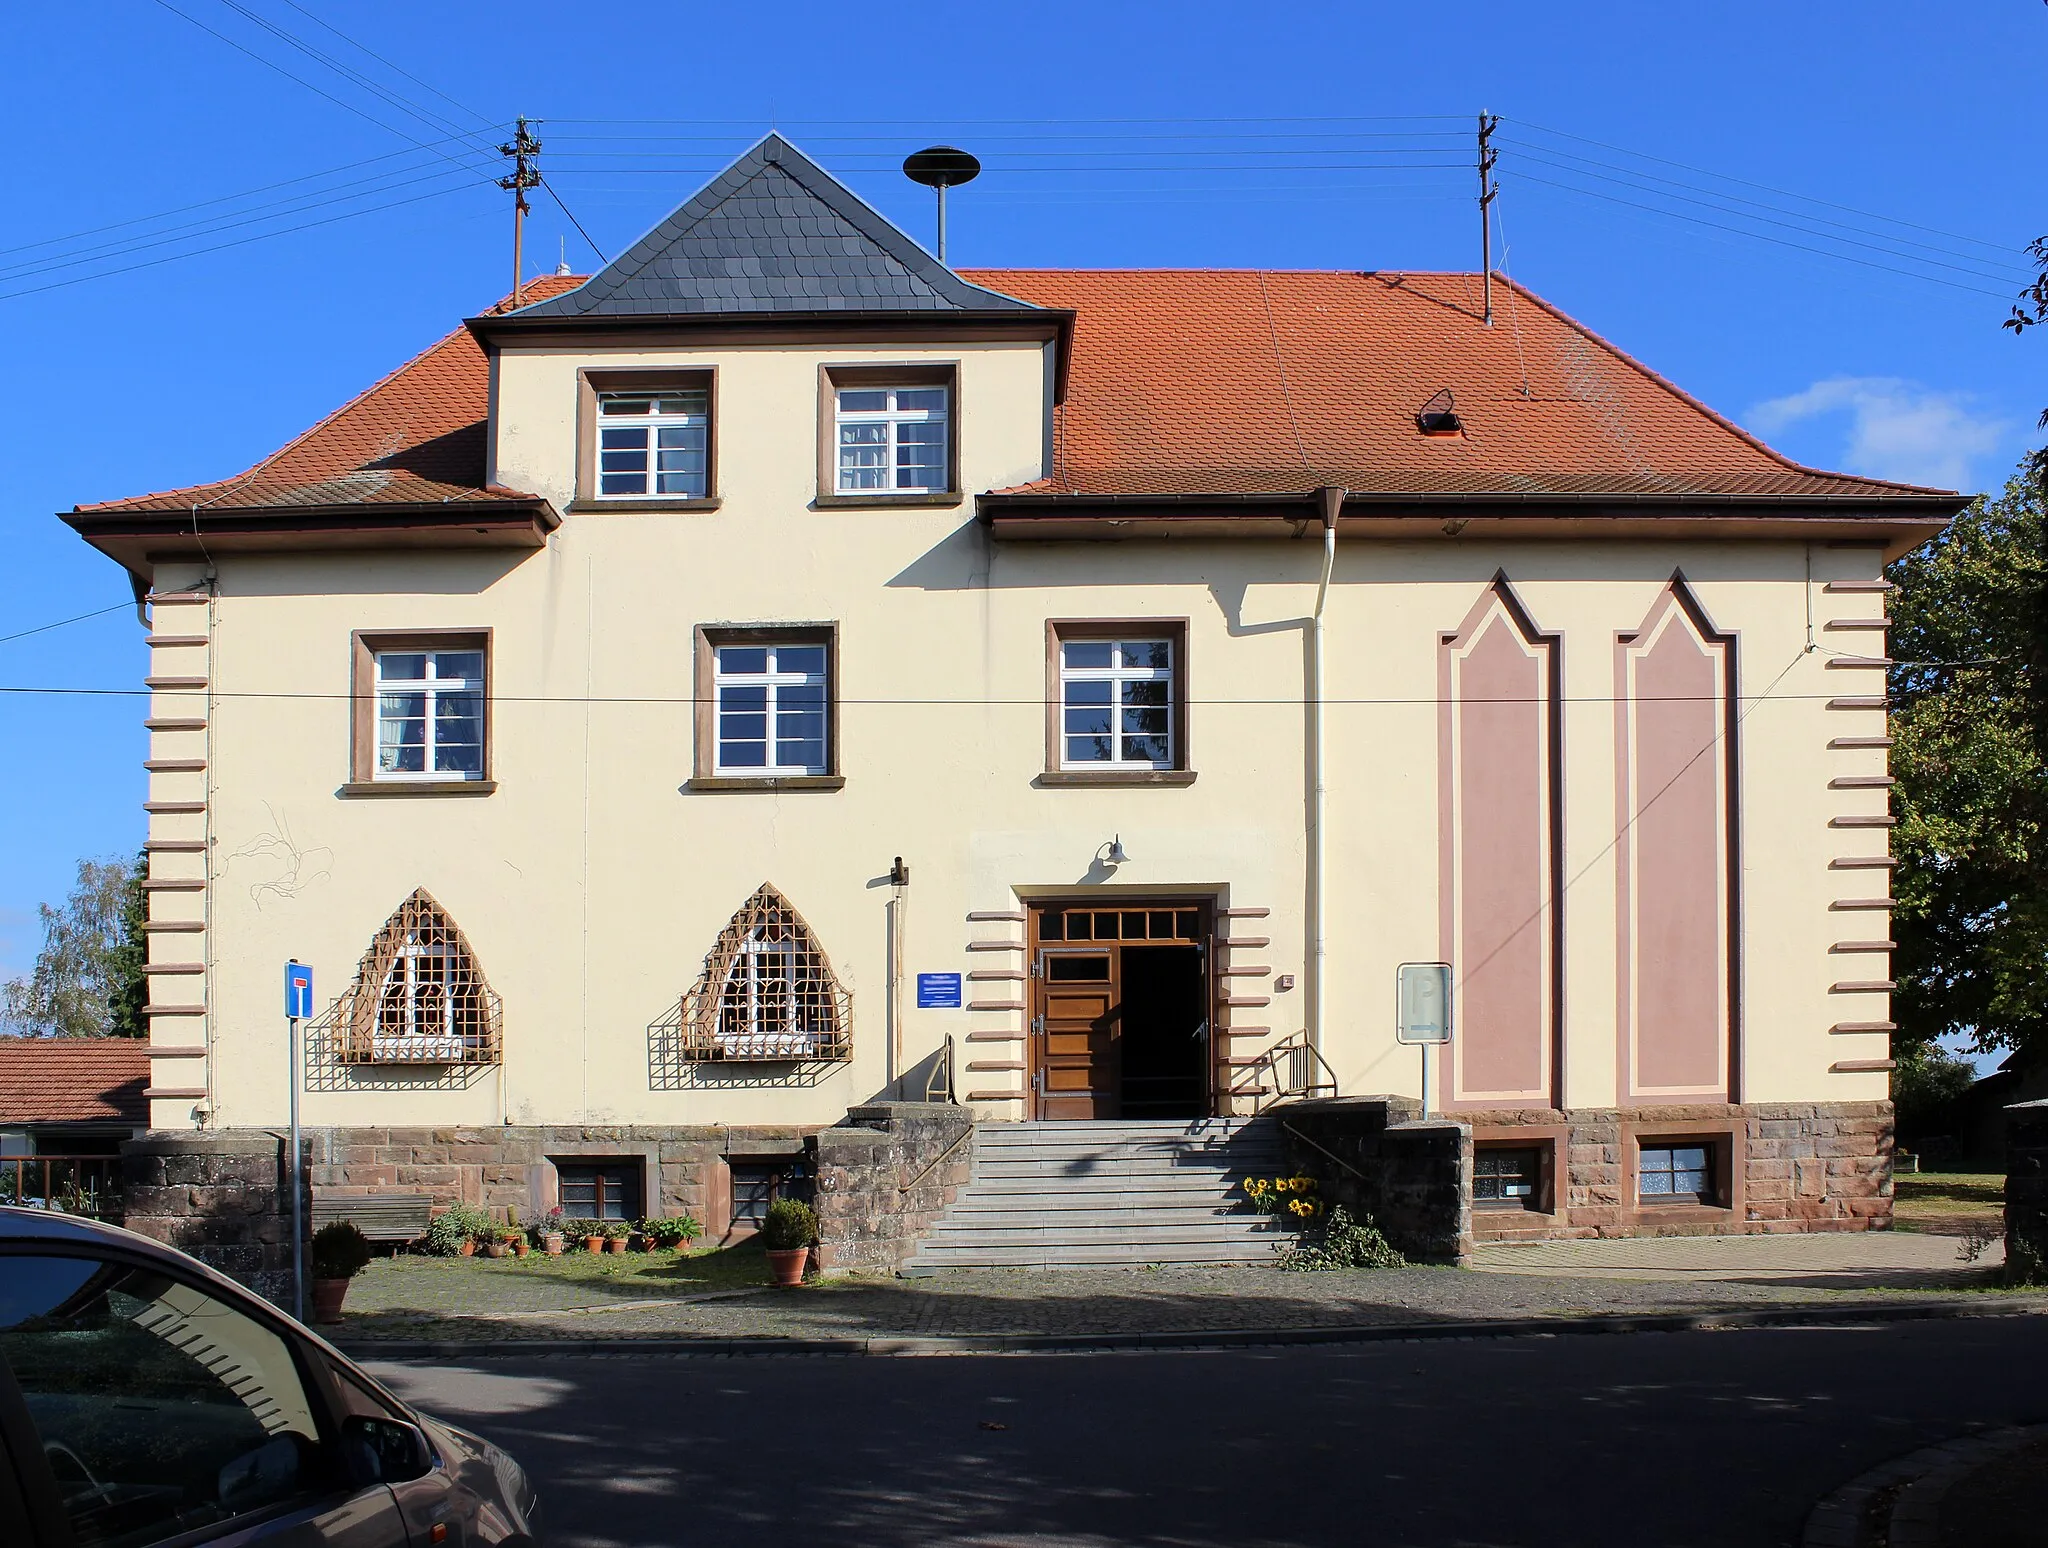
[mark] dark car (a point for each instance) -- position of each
(146, 1400)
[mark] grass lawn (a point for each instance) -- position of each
(1948, 1203)
(538, 1282)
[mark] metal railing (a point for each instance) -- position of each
(72, 1185)
(938, 1084)
(1292, 1067)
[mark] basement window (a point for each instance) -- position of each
(1676, 1173)
(1507, 1177)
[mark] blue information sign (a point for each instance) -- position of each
(938, 991)
(298, 991)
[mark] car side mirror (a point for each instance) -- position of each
(385, 1450)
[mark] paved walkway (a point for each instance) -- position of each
(1845, 1259)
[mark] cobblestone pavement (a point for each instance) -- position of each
(1850, 1259)
(479, 1306)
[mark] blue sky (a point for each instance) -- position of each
(1193, 134)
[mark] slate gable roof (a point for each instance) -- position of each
(774, 232)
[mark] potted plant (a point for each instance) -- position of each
(589, 1232)
(454, 1232)
(514, 1240)
(787, 1232)
(552, 1237)
(675, 1233)
(339, 1253)
(615, 1234)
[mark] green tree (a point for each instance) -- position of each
(87, 980)
(1970, 733)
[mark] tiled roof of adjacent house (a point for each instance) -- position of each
(775, 233)
(73, 1080)
(416, 437)
(1248, 381)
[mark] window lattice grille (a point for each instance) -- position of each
(767, 993)
(420, 996)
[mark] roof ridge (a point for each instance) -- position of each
(1662, 381)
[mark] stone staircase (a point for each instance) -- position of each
(1108, 1193)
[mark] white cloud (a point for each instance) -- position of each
(1896, 429)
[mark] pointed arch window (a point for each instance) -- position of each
(420, 996)
(768, 992)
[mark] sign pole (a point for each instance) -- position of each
(298, 1233)
(1426, 1049)
(298, 1006)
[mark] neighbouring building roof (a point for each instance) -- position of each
(73, 1080)
(775, 233)
(1201, 381)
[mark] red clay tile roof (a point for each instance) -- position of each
(73, 1080)
(1251, 382)
(416, 437)
(1188, 382)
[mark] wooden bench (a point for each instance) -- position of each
(382, 1217)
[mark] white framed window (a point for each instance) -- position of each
(761, 1014)
(430, 714)
(893, 440)
(428, 1009)
(654, 443)
(1117, 704)
(771, 701)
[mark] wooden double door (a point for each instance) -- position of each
(1121, 1011)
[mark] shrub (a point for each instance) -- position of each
(340, 1250)
(788, 1225)
(460, 1223)
(615, 1230)
(576, 1228)
(676, 1231)
(1341, 1243)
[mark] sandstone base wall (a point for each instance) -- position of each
(1813, 1166)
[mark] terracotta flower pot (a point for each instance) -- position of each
(496, 1249)
(616, 1244)
(552, 1243)
(327, 1298)
(466, 1250)
(521, 1247)
(593, 1244)
(787, 1268)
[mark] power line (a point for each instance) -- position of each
(200, 230)
(260, 236)
(118, 607)
(1758, 236)
(550, 187)
(1976, 267)
(250, 193)
(400, 69)
(1683, 166)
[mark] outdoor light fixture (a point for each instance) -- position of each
(1115, 854)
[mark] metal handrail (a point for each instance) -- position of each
(960, 1139)
(1326, 1150)
(1296, 1049)
(938, 1085)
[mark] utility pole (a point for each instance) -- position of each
(522, 149)
(1488, 191)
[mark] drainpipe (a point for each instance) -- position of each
(1331, 500)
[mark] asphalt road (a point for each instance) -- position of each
(1634, 1440)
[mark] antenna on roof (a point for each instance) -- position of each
(941, 167)
(562, 262)
(1489, 190)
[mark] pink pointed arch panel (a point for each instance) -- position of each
(1676, 854)
(419, 995)
(1500, 853)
